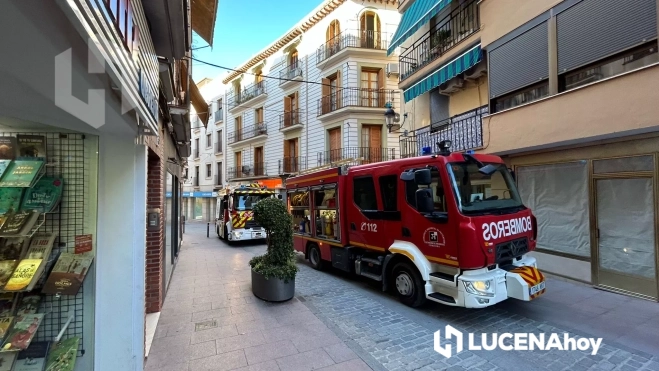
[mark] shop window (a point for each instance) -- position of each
(436, 187)
(364, 193)
(628, 61)
(298, 204)
(388, 190)
(326, 217)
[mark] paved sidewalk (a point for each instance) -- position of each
(211, 321)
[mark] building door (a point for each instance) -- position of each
(290, 156)
(625, 234)
(371, 143)
(258, 161)
(370, 27)
(334, 144)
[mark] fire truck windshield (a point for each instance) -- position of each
(247, 201)
(478, 193)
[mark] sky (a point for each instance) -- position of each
(243, 28)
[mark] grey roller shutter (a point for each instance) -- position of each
(594, 29)
(520, 62)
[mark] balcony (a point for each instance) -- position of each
(218, 147)
(292, 165)
(219, 115)
(452, 30)
(354, 42)
(254, 94)
(356, 155)
(290, 75)
(289, 121)
(251, 133)
(465, 131)
(256, 170)
(344, 101)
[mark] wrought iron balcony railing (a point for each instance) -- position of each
(290, 72)
(250, 92)
(356, 155)
(248, 171)
(465, 131)
(342, 98)
(364, 39)
(247, 132)
(290, 165)
(449, 32)
(288, 119)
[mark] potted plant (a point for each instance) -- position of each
(273, 274)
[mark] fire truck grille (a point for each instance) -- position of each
(252, 224)
(509, 250)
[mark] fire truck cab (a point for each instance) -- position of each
(449, 227)
(234, 219)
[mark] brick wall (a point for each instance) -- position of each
(155, 258)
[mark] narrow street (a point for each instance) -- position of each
(211, 321)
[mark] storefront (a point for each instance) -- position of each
(597, 212)
(199, 205)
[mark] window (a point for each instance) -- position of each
(333, 31)
(209, 140)
(259, 165)
(238, 162)
(372, 80)
(196, 147)
(258, 116)
(436, 188)
(364, 193)
(239, 128)
(209, 171)
(258, 78)
(370, 30)
(388, 190)
(291, 110)
(292, 63)
(334, 136)
(371, 143)
(218, 143)
(521, 97)
(290, 155)
(617, 65)
(219, 173)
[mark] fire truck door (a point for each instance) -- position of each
(367, 227)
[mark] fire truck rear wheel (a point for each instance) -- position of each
(313, 253)
(408, 285)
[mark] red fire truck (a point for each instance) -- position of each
(234, 219)
(448, 227)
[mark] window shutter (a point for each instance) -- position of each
(287, 111)
(382, 95)
(326, 96)
(339, 90)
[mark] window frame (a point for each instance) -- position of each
(209, 170)
(373, 189)
(209, 140)
(381, 184)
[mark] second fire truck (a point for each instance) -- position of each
(449, 228)
(234, 219)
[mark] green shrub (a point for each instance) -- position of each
(279, 260)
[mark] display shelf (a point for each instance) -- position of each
(40, 221)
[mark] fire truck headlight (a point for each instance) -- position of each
(483, 288)
(237, 234)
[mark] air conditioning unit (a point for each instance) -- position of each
(392, 68)
(453, 86)
(245, 169)
(476, 72)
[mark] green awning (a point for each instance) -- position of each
(418, 14)
(448, 71)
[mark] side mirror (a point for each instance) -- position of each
(423, 177)
(407, 176)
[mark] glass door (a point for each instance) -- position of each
(625, 234)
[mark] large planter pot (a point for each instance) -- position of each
(272, 289)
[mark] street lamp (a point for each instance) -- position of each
(389, 116)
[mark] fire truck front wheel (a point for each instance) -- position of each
(408, 285)
(313, 254)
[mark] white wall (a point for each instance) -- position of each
(120, 255)
(311, 137)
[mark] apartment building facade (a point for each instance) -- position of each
(315, 96)
(573, 107)
(205, 172)
(563, 91)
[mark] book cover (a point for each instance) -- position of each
(29, 304)
(25, 275)
(7, 304)
(68, 274)
(44, 196)
(62, 356)
(8, 148)
(5, 325)
(31, 146)
(13, 248)
(10, 199)
(21, 334)
(7, 268)
(7, 360)
(21, 173)
(19, 223)
(40, 246)
(33, 358)
(4, 164)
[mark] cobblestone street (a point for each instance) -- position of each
(338, 322)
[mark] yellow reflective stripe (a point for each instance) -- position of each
(402, 252)
(442, 261)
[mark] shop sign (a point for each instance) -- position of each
(199, 194)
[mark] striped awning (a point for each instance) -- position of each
(417, 15)
(448, 71)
